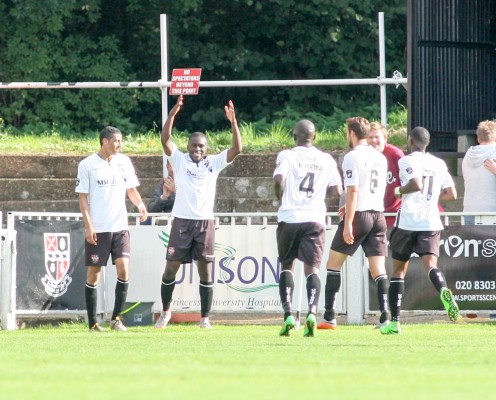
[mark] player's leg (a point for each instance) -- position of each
(203, 252)
(438, 279)
(206, 291)
(376, 249)
(313, 287)
(120, 250)
(332, 286)
(310, 252)
(401, 246)
(286, 290)
(178, 252)
(166, 290)
(96, 256)
(427, 246)
(90, 294)
(395, 296)
(377, 270)
(287, 248)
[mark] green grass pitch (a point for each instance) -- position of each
(428, 361)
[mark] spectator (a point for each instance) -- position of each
(163, 196)
(479, 169)
(378, 139)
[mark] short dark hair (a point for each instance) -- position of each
(304, 130)
(360, 126)
(197, 134)
(108, 133)
(420, 136)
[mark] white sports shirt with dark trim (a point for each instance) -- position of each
(366, 168)
(419, 211)
(195, 184)
(308, 173)
(106, 184)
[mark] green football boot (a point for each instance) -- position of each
(449, 304)
(310, 326)
(288, 325)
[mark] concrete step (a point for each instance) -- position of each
(49, 167)
(44, 189)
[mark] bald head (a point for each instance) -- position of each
(304, 132)
(419, 138)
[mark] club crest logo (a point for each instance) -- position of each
(349, 173)
(57, 262)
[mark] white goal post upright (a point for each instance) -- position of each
(164, 73)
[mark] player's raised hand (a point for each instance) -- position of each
(229, 109)
(177, 107)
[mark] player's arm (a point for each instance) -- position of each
(167, 128)
(237, 145)
(89, 231)
(278, 186)
(135, 198)
(350, 207)
(448, 194)
(335, 190)
(413, 185)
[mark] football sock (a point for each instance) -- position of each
(313, 292)
(333, 284)
(120, 297)
(286, 288)
(166, 290)
(396, 291)
(382, 284)
(437, 278)
(206, 297)
(91, 296)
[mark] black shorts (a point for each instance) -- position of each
(304, 241)
(117, 244)
(404, 243)
(190, 240)
(369, 231)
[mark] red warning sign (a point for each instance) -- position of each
(185, 81)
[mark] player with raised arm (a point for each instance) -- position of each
(192, 234)
(302, 178)
(424, 181)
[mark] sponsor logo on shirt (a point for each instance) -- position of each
(194, 174)
(106, 182)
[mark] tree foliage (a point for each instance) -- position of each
(119, 40)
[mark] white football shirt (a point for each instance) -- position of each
(308, 173)
(195, 184)
(366, 168)
(106, 184)
(419, 211)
